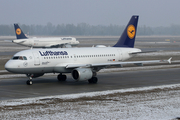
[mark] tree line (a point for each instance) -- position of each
(84, 29)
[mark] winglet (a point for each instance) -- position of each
(127, 38)
(19, 33)
(169, 60)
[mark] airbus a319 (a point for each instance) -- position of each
(47, 42)
(82, 63)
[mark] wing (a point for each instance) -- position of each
(103, 65)
(58, 45)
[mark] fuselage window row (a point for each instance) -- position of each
(80, 56)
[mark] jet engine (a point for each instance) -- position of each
(82, 74)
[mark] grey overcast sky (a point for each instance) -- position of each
(94, 12)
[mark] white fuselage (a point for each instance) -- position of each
(46, 42)
(55, 60)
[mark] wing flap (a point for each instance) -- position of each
(78, 65)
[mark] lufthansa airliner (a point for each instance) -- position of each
(82, 63)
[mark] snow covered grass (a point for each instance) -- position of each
(154, 103)
(159, 102)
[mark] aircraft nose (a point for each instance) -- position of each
(9, 67)
(77, 42)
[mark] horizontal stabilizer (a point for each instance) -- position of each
(133, 53)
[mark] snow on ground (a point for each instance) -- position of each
(154, 103)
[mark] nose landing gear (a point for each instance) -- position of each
(29, 82)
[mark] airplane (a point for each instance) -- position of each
(83, 63)
(53, 42)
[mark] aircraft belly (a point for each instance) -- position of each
(32, 70)
(62, 70)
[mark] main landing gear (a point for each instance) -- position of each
(61, 77)
(93, 80)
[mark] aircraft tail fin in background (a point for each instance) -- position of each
(127, 38)
(19, 33)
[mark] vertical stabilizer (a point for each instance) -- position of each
(127, 38)
(19, 33)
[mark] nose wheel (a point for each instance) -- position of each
(29, 82)
(93, 80)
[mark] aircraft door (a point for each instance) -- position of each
(31, 42)
(36, 58)
(75, 57)
(120, 55)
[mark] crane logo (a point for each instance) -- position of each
(131, 31)
(18, 31)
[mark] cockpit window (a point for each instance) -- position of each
(15, 58)
(24, 58)
(19, 58)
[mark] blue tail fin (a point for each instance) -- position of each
(127, 39)
(19, 32)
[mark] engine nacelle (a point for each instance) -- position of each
(81, 74)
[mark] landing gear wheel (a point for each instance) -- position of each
(29, 82)
(61, 77)
(93, 80)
